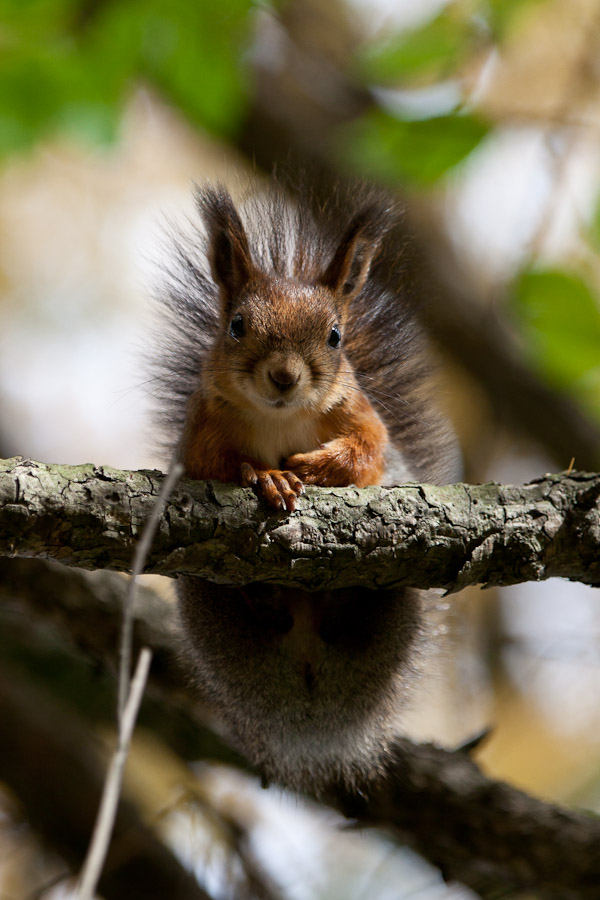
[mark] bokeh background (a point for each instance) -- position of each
(485, 116)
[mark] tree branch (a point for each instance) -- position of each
(418, 535)
(482, 832)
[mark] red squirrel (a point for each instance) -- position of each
(290, 355)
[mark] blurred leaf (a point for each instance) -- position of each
(30, 19)
(189, 50)
(50, 82)
(436, 49)
(504, 15)
(419, 151)
(560, 322)
(69, 66)
(27, 101)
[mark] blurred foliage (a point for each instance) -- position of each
(438, 48)
(418, 145)
(433, 51)
(69, 66)
(502, 16)
(418, 152)
(557, 313)
(559, 318)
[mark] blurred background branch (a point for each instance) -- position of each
(486, 834)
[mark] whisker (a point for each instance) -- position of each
(354, 387)
(379, 392)
(124, 392)
(373, 389)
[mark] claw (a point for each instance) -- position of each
(279, 489)
(268, 489)
(248, 475)
(294, 482)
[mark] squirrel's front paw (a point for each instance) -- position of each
(319, 467)
(279, 489)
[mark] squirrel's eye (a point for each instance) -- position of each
(236, 328)
(335, 337)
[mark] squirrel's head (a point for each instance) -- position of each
(281, 342)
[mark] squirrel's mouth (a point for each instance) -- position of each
(281, 401)
(269, 398)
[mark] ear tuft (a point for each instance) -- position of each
(228, 249)
(348, 271)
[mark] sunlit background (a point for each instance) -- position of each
(485, 115)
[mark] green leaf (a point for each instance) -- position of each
(32, 22)
(559, 317)
(435, 49)
(418, 151)
(63, 72)
(189, 50)
(50, 82)
(504, 16)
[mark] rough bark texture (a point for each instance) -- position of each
(418, 535)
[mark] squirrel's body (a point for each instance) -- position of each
(295, 358)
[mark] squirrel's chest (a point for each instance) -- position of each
(271, 439)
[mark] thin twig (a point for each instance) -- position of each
(129, 699)
(96, 855)
(139, 559)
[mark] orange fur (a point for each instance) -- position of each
(278, 404)
(349, 443)
(295, 357)
(353, 439)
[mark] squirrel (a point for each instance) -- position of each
(291, 354)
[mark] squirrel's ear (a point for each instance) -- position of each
(348, 270)
(228, 249)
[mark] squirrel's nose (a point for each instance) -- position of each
(284, 379)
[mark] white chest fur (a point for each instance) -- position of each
(271, 438)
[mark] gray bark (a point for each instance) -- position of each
(418, 535)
